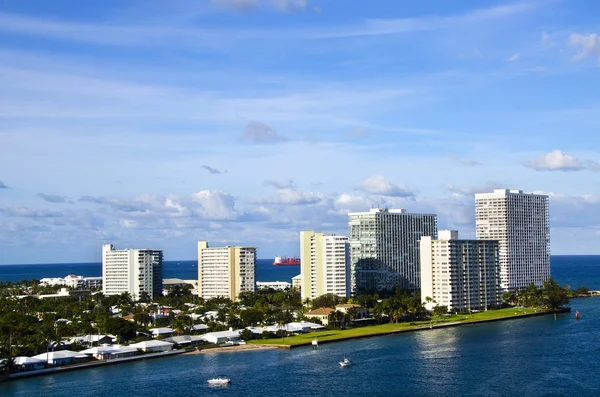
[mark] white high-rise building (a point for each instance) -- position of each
(384, 248)
(225, 271)
(131, 270)
(324, 265)
(520, 223)
(462, 275)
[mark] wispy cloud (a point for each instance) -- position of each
(513, 57)
(167, 35)
(280, 185)
(464, 161)
(250, 5)
(211, 170)
(54, 198)
(588, 45)
(25, 212)
(261, 133)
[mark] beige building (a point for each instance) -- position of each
(297, 282)
(324, 268)
(225, 271)
(463, 275)
(321, 314)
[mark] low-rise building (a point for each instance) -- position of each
(222, 336)
(277, 285)
(29, 363)
(161, 332)
(321, 314)
(153, 346)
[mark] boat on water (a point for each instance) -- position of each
(285, 261)
(346, 362)
(220, 380)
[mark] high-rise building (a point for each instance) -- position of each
(519, 221)
(462, 275)
(225, 271)
(131, 270)
(325, 265)
(384, 248)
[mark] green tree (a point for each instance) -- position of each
(439, 310)
(554, 296)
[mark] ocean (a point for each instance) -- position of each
(575, 270)
(185, 270)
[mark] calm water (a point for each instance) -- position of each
(575, 270)
(533, 357)
(185, 270)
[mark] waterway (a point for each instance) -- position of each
(539, 356)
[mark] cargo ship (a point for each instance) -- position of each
(285, 261)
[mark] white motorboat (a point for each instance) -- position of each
(346, 362)
(220, 380)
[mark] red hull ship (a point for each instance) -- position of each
(285, 261)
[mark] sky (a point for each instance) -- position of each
(156, 124)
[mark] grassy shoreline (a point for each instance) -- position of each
(336, 335)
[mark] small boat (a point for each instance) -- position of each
(220, 380)
(346, 362)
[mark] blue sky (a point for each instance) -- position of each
(160, 123)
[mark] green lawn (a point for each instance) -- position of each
(391, 328)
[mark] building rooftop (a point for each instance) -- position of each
(322, 311)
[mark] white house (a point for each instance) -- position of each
(165, 331)
(153, 346)
(61, 357)
(199, 327)
(185, 340)
(30, 363)
(108, 352)
(222, 336)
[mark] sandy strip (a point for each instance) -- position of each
(230, 349)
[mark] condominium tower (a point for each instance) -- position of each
(384, 248)
(131, 270)
(325, 261)
(462, 275)
(519, 221)
(225, 271)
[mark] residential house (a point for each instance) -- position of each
(321, 314)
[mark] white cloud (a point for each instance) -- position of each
(589, 46)
(556, 160)
(377, 184)
(289, 196)
(513, 58)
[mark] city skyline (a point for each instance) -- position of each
(243, 122)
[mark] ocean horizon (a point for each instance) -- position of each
(574, 270)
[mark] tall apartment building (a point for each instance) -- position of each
(384, 248)
(324, 264)
(463, 275)
(131, 270)
(225, 271)
(520, 223)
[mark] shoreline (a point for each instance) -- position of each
(233, 349)
(263, 346)
(467, 322)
